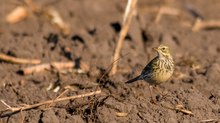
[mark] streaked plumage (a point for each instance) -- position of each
(158, 70)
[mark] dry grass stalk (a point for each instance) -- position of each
(48, 66)
(179, 108)
(13, 110)
(166, 11)
(59, 66)
(57, 20)
(15, 60)
(18, 14)
(22, 115)
(130, 7)
(129, 12)
(35, 69)
(200, 24)
(210, 120)
(182, 109)
(64, 92)
(121, 114)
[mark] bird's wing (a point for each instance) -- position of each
(147, 71)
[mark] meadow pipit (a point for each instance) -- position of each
(158, 70)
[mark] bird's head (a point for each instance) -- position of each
(163, 51)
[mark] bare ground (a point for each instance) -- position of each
(94, 31)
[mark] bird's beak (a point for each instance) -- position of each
(155, 48)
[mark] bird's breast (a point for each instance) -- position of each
(163, 72)
(162, 77)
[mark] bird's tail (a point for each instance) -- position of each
(133, 80)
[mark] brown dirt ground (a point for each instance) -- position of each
(94, 32)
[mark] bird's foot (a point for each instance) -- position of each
(162, 96)
(153, 101)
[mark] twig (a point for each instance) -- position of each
(210, 120)
(179, 108)
(22, 116)
(182, 109)
(35, 69)
(166, 10)
(48, 66)
(56, 19)
(8, 106)
(121, 114)
(18, 14)
(15, 60)
(67, 88)
(27, 107)
(126, 23)
(200, 24)
(129, 10)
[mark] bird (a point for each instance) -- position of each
(159, 69)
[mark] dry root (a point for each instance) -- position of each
(15, 60)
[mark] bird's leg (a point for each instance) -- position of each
(161, 93)
(151, 94)
(158, 90)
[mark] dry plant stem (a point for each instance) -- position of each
(35, 69)
(128, 10)
(126, 23)
(27, 107)
(56, 19)
(64, 92)
(121, 114)
(18, 14)
(179, 108)
(22, 116)
(210, 120)
(54, 65)
(15, 60)
(166, 10)
(48, 66)
(199, 24)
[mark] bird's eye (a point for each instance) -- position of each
(163, 48)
